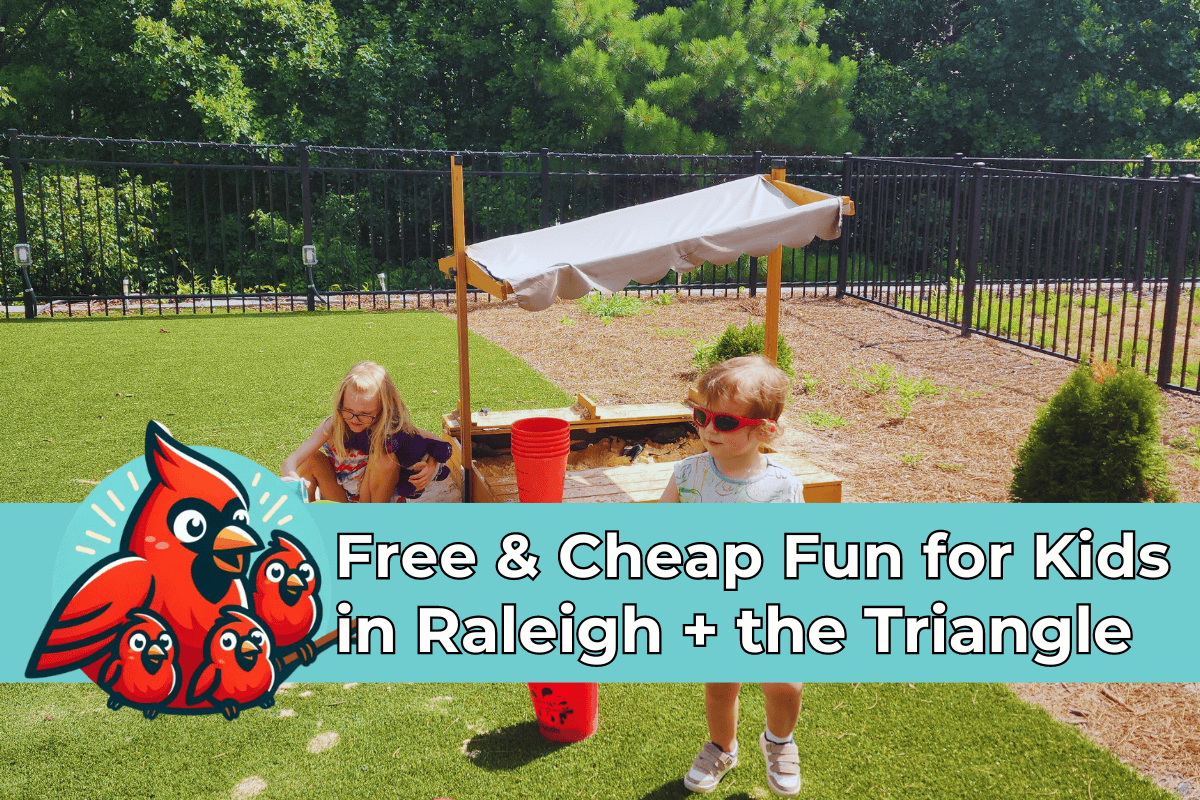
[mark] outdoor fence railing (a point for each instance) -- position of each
(1076, 264)
(1075, 257)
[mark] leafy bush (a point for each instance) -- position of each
(613, 305)
(748, 341)
(1096, 441)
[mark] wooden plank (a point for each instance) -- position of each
(607, 416)
(477, 277)
(644, 483)
(588, 405)
(799, 195)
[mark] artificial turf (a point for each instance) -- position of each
(79, 396)
(80, 392)
(462, 741)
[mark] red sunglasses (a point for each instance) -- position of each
(725, 423)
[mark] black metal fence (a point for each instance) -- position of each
(129, 226)
(1070, 257)
(1075, 264)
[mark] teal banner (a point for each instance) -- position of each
(419, 592)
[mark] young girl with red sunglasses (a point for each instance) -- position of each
(742, 400)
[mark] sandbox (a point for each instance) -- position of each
(605, 465)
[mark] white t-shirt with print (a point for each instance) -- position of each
(699, 481)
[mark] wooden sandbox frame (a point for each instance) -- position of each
(631, 483)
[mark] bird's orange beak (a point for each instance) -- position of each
(156, 651)
(232, 539)
(294, 580)
(249, 647)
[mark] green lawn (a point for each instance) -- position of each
(411, 741)
(80, 392)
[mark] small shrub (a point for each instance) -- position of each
(613, 305)
(881, 378)
(748, 341)
(911, 459)
(808, 383)
(908, 390)
(1096, 441)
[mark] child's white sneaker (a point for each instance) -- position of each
(709, 767)
(783, 766)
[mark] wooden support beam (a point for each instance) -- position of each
(460, 302)
(476, 277)
(774, 280)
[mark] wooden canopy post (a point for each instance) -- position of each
(774, 279)
(460, 304)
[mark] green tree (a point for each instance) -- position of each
(1099, 78)
(717, 76)
(88, 235)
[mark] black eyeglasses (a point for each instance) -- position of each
(367, 418)
(725, 423)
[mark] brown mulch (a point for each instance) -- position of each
(956, 446)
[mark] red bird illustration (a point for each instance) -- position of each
(140, 669)
(184, 555)
(237, 671)
(286, 580)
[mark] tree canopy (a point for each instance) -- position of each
(1113, 78)
(717, 76)
(912, 77)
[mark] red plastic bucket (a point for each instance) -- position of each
(540, 479)
(540, 426)
(549, 451)
(566, 712)
(539, 450)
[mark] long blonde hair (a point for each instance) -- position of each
(371, 379)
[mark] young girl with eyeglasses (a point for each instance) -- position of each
(742, 400)
(368, 450)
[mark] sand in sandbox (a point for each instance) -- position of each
(606, 452)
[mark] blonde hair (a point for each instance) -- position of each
(371, 379)
(750, 380)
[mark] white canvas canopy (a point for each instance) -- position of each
(758, 216)
(642, 243)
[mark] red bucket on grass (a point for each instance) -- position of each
(566, 712)
(539, 450)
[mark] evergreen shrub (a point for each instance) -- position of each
(748, 341)
(1096, 441)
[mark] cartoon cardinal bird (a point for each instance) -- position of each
(286, 579)
(184, 554)
(140, 669)
(237, 670)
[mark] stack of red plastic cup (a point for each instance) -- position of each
(539, 449)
